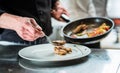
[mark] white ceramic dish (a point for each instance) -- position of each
(44, 54)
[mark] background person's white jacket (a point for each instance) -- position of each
(79, 8)
(113, 8)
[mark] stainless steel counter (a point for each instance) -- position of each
(99, 61)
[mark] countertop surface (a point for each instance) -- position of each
(98, 61)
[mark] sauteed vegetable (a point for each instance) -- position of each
(83, 31)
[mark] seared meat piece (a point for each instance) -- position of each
(61, 50)
(80, 28)
(59, 47)
(59, 42)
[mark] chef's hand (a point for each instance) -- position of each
(58, 10)
(26, 28)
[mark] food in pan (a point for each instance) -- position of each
(83, 31)
(60, 49)
(80, 28)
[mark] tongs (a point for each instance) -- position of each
(55, 43)
(49, 40)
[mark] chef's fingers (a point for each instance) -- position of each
(35, 24)
(25, 35)
(29, 26)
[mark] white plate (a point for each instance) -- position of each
(44, 53)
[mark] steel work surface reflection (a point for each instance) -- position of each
(99, 61)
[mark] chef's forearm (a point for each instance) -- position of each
(7, 20)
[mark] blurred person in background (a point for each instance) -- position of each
(100, 7)
(113, 10)
(79, 8)
(27, 22)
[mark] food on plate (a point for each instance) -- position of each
(59, 42)
(60, 49)
(85, 32)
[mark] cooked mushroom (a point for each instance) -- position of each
(59, 42)
(61, 50)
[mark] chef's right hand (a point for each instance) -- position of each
(26, 28)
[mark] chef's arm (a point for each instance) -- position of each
(21, 25)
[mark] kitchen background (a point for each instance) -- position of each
(90, 8)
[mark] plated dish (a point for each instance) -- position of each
(44, 54)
